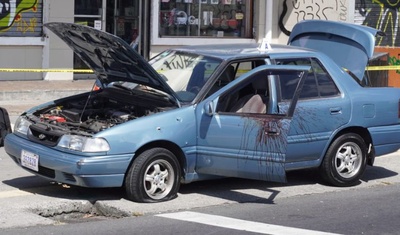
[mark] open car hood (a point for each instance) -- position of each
(110, 57)
(349, 45)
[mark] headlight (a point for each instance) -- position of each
(22, 125)
(83, 144)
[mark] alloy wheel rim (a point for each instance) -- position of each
(158, 179)
(348, 160)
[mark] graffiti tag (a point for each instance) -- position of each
(295, 11)
(11, 15)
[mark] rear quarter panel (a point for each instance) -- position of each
(377, 109)
(375, 106)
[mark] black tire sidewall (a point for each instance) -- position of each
(134, 182)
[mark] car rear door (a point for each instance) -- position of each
(321, 110)
(246, 143)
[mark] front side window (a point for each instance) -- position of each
(185, 73)
(205, 18)
(255, 96)
(233, 71)
(249, 97)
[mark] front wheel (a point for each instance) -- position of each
(345, 161)
(153, 176)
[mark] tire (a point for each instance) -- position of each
(345, 161)
(154, 176)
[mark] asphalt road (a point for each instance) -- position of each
(367, 210)
(29, 202)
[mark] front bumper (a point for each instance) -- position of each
(86, 171)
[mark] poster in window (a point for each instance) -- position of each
(214, 1)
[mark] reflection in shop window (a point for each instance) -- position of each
(87, 7)
(205, 18)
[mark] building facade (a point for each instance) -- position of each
(159, 24)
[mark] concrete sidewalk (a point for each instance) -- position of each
(18, 96)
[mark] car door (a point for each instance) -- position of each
(248, 141)
(320, 111)
(5, 126)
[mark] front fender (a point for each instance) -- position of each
(177, 126)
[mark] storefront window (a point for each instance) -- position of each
(87, 7)
(126, 19)
(86, 13)
(205, 18)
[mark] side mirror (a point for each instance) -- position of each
(209, 108)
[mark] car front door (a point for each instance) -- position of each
(249, 140)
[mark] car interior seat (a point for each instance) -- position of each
(255, 102)
(196, 80)
(226, 77)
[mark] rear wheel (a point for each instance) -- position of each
(153, 176)
(345, 161)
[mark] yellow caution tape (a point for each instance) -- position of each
(46, 70)
(383, 67)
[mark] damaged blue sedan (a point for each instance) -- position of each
(198, 112)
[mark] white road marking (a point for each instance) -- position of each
(14, 193)
(237, 224)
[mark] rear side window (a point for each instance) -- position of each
(318, 83)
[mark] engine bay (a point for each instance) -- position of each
(91, 113)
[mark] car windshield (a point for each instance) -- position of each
(186, 73)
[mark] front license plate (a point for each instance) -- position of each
(30, 160)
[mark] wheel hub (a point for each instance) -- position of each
(347, 160)
(157, 179)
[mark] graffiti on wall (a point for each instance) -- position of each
(297, 10)
(20, 17)
(394, 61)
(382, 15)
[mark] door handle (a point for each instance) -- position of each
(272, 132)
(335, 111)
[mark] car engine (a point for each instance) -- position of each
(90, 114)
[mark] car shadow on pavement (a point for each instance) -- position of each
(245, 190)
(37, 185)
(217, 188)
(376, 173)
(268, 191)
(233, 189)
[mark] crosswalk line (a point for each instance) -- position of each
(13, 193)
(238, 224)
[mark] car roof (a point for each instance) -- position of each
(242, 50)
